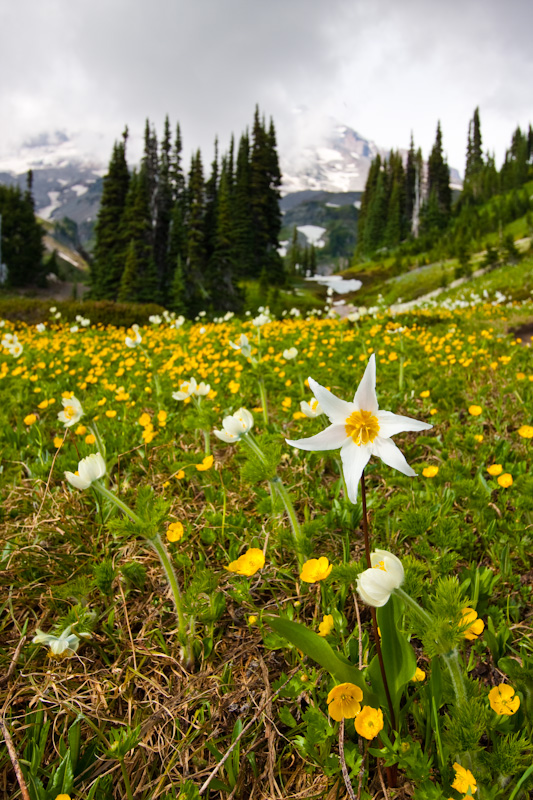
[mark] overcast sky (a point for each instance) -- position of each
(86, 68)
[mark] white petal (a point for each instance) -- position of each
(226, 437)
(365, 397)
(391, 455)
(337, 410)
(330, 439)
(77, 481)
(354, 460)
(375, 587)
(393, 565)
(391, 424)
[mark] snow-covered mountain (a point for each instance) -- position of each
(338, 163)
(66, 185)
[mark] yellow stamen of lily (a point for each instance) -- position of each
(362, 426)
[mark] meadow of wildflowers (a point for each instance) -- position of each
(195, 606)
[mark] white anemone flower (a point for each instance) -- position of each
(375, 585)
(135, 339)
(235, 426)
(243, 345)
(72, 412)
(90, 469)
(360, 429)
(260, 320)
(292, 352)
(62, 646)
(202, 389)
(312, 409)
(186, 388)
(41, 327)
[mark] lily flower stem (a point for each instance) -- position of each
(373, 610)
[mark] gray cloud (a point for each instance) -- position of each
(382, 66)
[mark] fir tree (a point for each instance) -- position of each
(163, 214)
(22, 248)
(129, 288)
(439, 192)
(222, 288)
(196, 292)
(211, 192)
(473, 182)
(243, 229)
(107, 265)
(178, 302)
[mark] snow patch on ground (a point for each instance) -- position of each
(337, 283)
(79, 189)
(47, 211)
(313, 234)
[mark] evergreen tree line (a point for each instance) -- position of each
(301, 259)
(21, 244)
(410, 203)
(188, 241)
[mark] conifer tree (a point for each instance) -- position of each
(136, 229)
(211, 193)
(107, 265)
(178, 302)
(163, 214)
(177, 233)
(243, 229)
(196, 293)
(129, 288)
(22, 248)
(222, 287)
(439, 193)
(150, 167)
(473, 182)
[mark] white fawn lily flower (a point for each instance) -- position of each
(235, 426)
(135, 338)
(312, 409)
(72, 411)
(243, 345)
(360, 429)
(376, 584)
(90, 469)
(186, 389)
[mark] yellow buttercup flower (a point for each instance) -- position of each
(424, 393)
(505, 480)
(249, 563)
(369, 722)
(475, 625)
(326, 626)
(503, 700)
(316, 569)
(252, 619)
(58, 441)
(30, 419)
(475, 411)
(478, 437)
(175, 532)
(526, 431)
(180, 474)
(430, 472)
(207, 463)
(495, 469)
(144, 420)
(419, 675)
(344, 701)
(464, 780)
(90, 438)
(63, 797)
